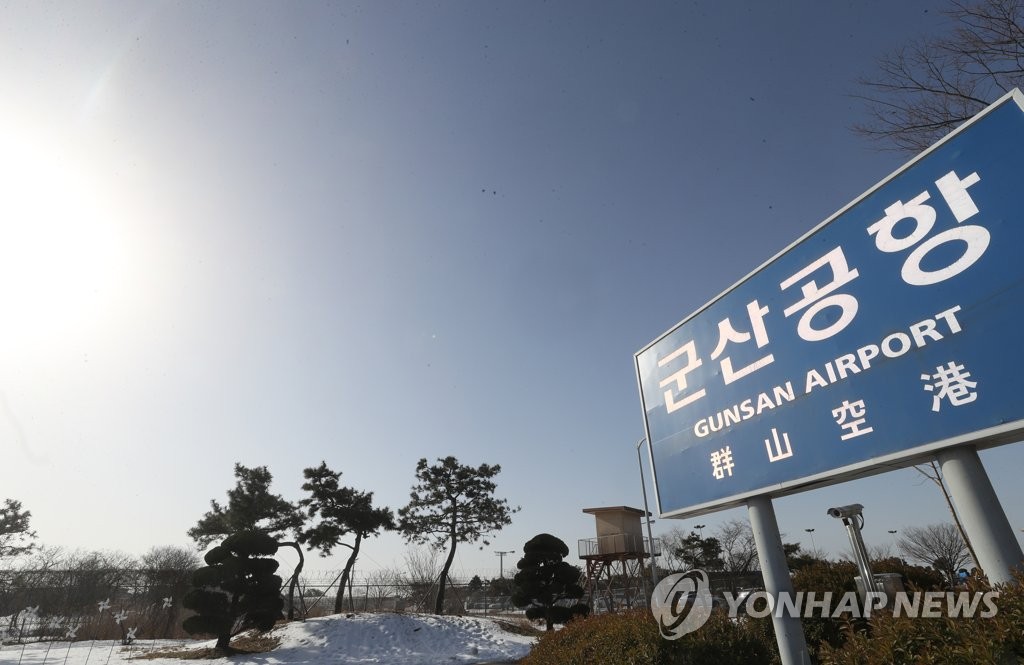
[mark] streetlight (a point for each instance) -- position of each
(700, 528)
(647, 512)
(814, 548)
(899, 545)
(501, 561)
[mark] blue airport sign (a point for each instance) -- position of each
(891, 330)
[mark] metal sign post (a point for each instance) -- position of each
(789, 632)
(982, 514)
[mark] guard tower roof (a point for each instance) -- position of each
(615, 509)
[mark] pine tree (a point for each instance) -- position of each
(341, 511)
(236, 590)
(15, 535)
(251, 507)
(697, 552)
(450, 504)
(545, 584)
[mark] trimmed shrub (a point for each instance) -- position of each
(237, 590)
(947, 640)
(837, 577)
(820, 577)
(632, 638)
(547, 586)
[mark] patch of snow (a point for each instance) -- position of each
(362, 639)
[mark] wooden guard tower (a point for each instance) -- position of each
(615, 559)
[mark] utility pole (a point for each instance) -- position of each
(501, 561)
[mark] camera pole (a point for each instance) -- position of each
(853, 520)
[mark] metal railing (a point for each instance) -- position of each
(619, 543)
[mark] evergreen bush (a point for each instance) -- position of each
(237, 589)
(947, 640)
(547, 586)
(632, 638)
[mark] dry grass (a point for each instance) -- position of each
(246, 643)
(519, 627)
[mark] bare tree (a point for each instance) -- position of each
(98, 572)
(422, 565)
(381, 585)
(878, 552)
(932, 473)
(167, 571)
(28, 580)
(672, 549)
(739, 551)
(422, 570)
(171, 557)
(936, 545)
(926, 88)
(67, 582)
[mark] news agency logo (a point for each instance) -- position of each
(682, 603)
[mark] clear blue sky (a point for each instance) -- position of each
(373, 232)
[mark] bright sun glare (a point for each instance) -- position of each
(59, 256)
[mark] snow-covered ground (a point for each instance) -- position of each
(391, 639)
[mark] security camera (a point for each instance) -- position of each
(844, 512)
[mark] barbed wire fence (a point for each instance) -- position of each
(386, 591)
(133, 605)
(99, 604)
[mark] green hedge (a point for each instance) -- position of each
(632, 638)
